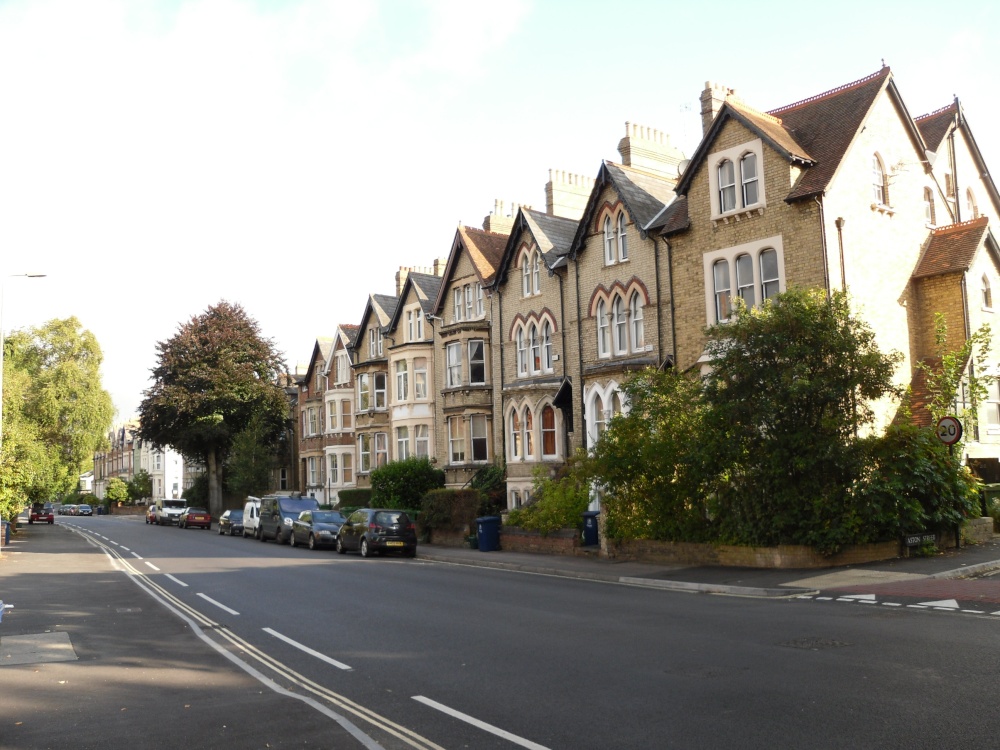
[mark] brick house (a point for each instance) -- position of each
(370, 366)
(461, 318)
(842, 191)
(312, 431)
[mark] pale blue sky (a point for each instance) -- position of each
(156, 157)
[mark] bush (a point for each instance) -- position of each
(492, 482)
(402, 484)
(558, 503)
(450, 509)
(356, 498)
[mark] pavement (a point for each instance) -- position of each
(970, 561)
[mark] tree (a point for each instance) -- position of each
(117, 490)
(248, 470)
(140, 486)
(55, 411)
(791, 388)
(212, 378)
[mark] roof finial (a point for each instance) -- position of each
(883, 62)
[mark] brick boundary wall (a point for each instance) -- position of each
(561, 542)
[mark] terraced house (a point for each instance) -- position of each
(844, 190)
(461, 324)
(339, 448)
(371, 387)
(312, 396)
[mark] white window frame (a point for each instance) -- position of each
(749, 182)
(402, 381)
(347, 468)
(727, 186)
(622, 238)
(473, 361)
(514, 447)
(536, 272)
(480, 304)
(526, 274)
(379, 388)
(346, 422)
(603, 330)
(528, 422)
(333, 469)
(364, 453)
(331, 415)
(929, 207)
(422, 440)
(554, 431)
(619, 325)
(522, 353)
(609, 241)
(372, 348)
(746, 285)
(411, 331)
(469, 305)
(729, 254)
(534, 350)
(636, 316)
(987, 292)
(456, 440)
(479, 438)
(420, 378)
(457, 307)
(880, 193)
(381, 449)
(402, 443)
(547, 360)
(453, 364)
(734, 155)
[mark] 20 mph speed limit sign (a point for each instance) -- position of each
(949, 430)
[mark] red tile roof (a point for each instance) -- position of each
(952, 248)
(934, 126)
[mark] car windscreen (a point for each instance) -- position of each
(173, 504)
(391, 518)
(236, 515)
(196, 510)
(328, 516)
(294, 506)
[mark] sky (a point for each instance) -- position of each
(157, 157)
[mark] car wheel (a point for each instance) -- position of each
(366, 551)
(340, 547)
(259, 534)
(291, 539)
(312, 542)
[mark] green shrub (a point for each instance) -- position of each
(402, 484)
(354, 499)
(557, 503)
(450, 509)
(492, 482)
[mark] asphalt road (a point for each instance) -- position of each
(400, 653)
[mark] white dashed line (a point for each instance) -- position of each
(178, 581)
(513, 738)
(152, 566)
(137, 557)
(306, 649)
(218, 604)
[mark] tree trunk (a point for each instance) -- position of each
(214, 466)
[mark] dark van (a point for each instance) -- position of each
(278, 513)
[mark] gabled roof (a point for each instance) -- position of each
(485, 250)
(346, 334)
(322, 348)
(951, 249)
(552, 234)
(383, 306)
(427, 286)
(935, 126)
(644, 195)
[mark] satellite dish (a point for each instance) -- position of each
(682, 165)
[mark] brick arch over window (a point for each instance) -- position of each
(522, 322)
(608, 211)
(617, 289)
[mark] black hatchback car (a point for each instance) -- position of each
(374, 530)
(231, 522)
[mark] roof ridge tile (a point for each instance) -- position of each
(839, 89)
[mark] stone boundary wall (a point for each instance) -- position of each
(782, 556)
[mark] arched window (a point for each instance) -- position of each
(526, 275)
(748, 176)
(723, 307)
(744, 279)
(616, 404)
(522, 354)
(529, 433)
(879, 193)
(635, 313)
(603, 338)
(987, 293)
(609, 242)
(971, 205)
(515, 435)
(622, 239)
(547, 346)
(536, 276)
(620, 326)
(727, 186)
(536, 349)
(548, 432)
(929, 206)
(600, 418)
(769, 284)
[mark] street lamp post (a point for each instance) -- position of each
(3, 339)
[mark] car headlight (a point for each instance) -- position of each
(288, 522)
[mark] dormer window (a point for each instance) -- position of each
(727, 186)
(735, 180)
(748, 176)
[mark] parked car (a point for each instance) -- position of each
(317, 528)
(231, 521)
(374, 530)
(251, 517)
(278, 513)
(151, 514)
(84, 510)
(198, 517)
(71, 510)
(41, 513)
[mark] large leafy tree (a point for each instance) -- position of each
(212, 379)
(248, 470)
(55, 411)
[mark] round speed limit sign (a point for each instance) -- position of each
(949, 430)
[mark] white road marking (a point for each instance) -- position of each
(943, 604)
(891, 604)
(306, 649)
(480, 724)
(824, 598)
(126, 548)
(177, 580)
(152, 566)
(916, 606)
(113, 542)
(137, 557)
(858, 597)
(218, 604)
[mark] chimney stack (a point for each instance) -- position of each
(712, 99)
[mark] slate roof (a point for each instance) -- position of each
(429, 285)
(553, 235)
(350, 332)
(387, 304)
(951, 249)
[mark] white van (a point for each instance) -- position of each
(251, 517)
(168, 511)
